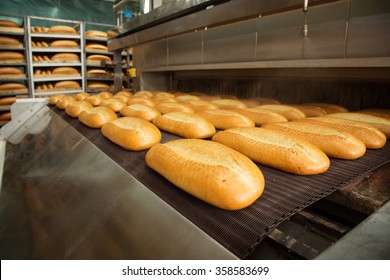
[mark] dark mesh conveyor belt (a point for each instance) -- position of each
(240, 231)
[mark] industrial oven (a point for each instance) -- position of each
(67, 192)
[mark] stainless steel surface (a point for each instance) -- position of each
(62, 198)
(370, 240)
(232, 11)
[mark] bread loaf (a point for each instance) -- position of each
(5, 40)
(106, 94)
(261, 116)
(266, 100)
(132, 133)
(96, 34)
(332, 142)
(62, 29)
(65, 57)
(5, 116)
(13, 86)
(228, 103)
(144, 93)
(186, 125)
(114, 104)
(10, 71)
(276, 149)
(224, 119)
(65, 70)
(382, 113)
(7, 100)
(98, 86)
(74, 109)
(141, 100)
(64, 44)
(81, 96)
(11, 56)
(8, 23)
(186, 97)
(250, 103)
(378, 122)
(329, 108)
(54, 99)
(67, 85)
(96, 47)
(168, 107)
(96, 71)
(209, 171)
(140, 111)
(310, 111)
(65, 101)
(288, 112)
(201, 105)
(97, 116)
(95, 100)
(372, 137)
(98, 57)
(124, 93)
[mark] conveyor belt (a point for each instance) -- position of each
(240, 231)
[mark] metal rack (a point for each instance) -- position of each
(33, 65)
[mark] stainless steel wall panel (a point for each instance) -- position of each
(154, 54)
(368, 32)
(230, 43)
(185, 49)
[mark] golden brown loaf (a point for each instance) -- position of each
(67, 85)
(5, 40)
(5, 116)
(144, 93)
(187, 125)
(209, 171)
(8, 23)
(266, 100)
(98, 57)
(289, 112)
(96, 34)
(114, 104)
(378, 122)
(332, 142)
(124, 93)
(383, 113)
(64, 44)
(95, 100)
(65, 70)
(201, 105)
(228, 103)
(372, 137)
(97, 116)
(98, 86)
(224, 119)
(65, 101)
(132, 133)
(141, 100)
(10, 71)
(275, 149)
(330, 108)
(106, 94)
(250, 103)
(11, 56)
(168, 107)
(140, 111)
(96, 71)
(186, 97)
(65, 57)
(74, 109)
(81, 96)
(62, 29)
(13, 86)
(261, 116)
(96, 47)
(54, 99)
(310, 111)
(7, 100)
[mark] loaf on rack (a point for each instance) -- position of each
(114, 104)
(7, 100)
(276, 149)
(12, 87)
(77, 107)
(9, 41)
(5, 71)
(381, 123)
(310, 110)
(64, 44)
(97, 116)
(62, 29)
(224, 119)
(187, 125)
(11, 56)
(228, 103)
(167, 107)
(329, 108)
(288, 112)
(98, 57)
(96, 34)
(98, 86)
(142, 111)
(67, 85)
(209, 171)
(65, 70)
(201, 105)
(8, 23)
(65, 57)
(81, 96)
(64, 101)
(332, 142)
(96, 47)
(133, 134)
(260, 116)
